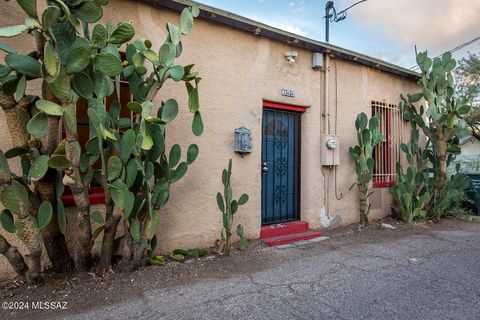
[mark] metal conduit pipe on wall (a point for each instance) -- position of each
(326, 130)
(338, 196)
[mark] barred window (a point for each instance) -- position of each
(387, 153)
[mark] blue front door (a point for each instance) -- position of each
(280, 166)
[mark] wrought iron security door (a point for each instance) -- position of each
(280, 166)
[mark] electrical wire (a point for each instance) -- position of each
(353, 5)
(342, 15)
(463, 45)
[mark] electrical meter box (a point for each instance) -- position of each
(330, 150)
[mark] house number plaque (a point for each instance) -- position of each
(288, 93)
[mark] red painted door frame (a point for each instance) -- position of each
(287, 214)
(281, 106)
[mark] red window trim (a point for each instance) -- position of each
(96, 196)
(382, 184)
(275, 105)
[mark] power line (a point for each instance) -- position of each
(463, 45)
(353, 5)
(334, 16)
(339, 16)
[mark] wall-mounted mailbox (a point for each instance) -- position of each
(243, 140)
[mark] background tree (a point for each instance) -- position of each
(467, 78)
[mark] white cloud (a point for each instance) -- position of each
(293, 19)
(436, 25)
(290, 28)
(296, 26)
(297, 8)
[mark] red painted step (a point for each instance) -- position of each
(277, 241)
(281, 229)
(284, 233)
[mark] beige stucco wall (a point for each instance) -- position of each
(239, 71)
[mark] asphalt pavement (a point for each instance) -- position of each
(430, 275)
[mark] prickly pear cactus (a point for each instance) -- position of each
(228, 206)
(137, 167)
(410, 191)
(443, 124)
(62, 52)
(368, 135)
(79, 59)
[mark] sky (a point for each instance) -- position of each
(384, 29)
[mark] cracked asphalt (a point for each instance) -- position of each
(433, 274)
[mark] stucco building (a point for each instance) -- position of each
(469, 158)
(300, 114)
(470, 146)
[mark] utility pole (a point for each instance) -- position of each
(331, 15)
(328, 7)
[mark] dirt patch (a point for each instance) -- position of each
(85, 292)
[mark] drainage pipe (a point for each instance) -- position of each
(326, 126)
(326, 130)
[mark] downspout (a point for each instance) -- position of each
(326, 126)
(338, 196)
(328, 7)
(326, 130)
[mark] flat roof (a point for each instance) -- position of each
(219, 16)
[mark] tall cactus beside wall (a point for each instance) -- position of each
(444, 113)
(442, 122)
(140, 169)
(34, 122)
(228, 206)
(368, 135)
(78, 60)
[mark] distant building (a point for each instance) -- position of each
(469, 159)
(470, 146)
